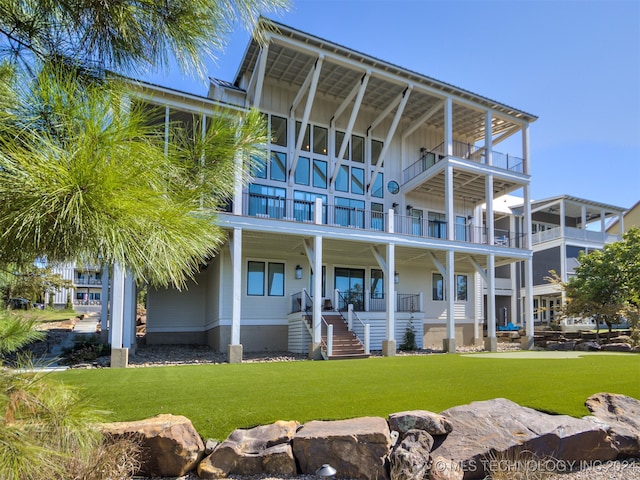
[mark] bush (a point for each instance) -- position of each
(85, 351)
(409, 339)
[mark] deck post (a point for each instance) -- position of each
(234, 349)
(491, 342)
(449, 344)
(389, 345)
(119, 354)
(329, 340)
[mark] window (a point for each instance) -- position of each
(377, 284)
(306, 140)
(80, 296)
(256, 279)
(377, 216)
(339, 139)
(376, 150)
(320, 174)
(357, 181)
(265, 201)
(342, 180)
(377, 189)
(302, 171)
(461, 288)
(258, 168)
(461, 228)
(437, 225)
(278, 166)
(357, 149)
(304, 206)
(416, 221)
(438, 287)
(349, 212)
(320, 140)
(278, 131)
(324, 282)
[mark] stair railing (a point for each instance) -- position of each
(366, 328)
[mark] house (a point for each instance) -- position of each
(85, 293)
(631, 218)
(562, 227)
(370, 197)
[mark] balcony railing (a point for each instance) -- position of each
(279, 208)
(572, 233)
(467, 151)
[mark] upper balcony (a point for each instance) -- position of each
(303, 211)
(576, 234)
(471, 168)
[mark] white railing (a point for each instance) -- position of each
(573, 234)
(366, 329)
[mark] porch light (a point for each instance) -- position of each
(326, 471)
(396, 277)
(298, 272)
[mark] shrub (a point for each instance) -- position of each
(409, 339)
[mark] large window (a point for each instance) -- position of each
(357, 181)
(302, 171)
(320, 174)
(278, 131)
(304, 206)
(461, 288)
(377, 189)
(265, 201)
(342, 180)
(273, 272)
(278, 166)
(349, 212)
(438, 287)
(350, 283)
(437, 225)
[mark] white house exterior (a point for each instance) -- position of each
(371, 196)
(85, 292)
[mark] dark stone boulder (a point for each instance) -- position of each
(587, 346)
(616, 347)
(432, 423)
(481, 429)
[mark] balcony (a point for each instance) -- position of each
(303, 211)
(466, 151)
(87, 281)
(572, 233)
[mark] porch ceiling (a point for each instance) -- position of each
(466, 184)
(292, 55)
(351, 254)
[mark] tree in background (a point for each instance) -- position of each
(606, 284)
(35, 283)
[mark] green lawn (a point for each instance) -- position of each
(219, 398)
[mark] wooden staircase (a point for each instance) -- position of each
(345, 344)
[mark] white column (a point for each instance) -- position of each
(488, 189)
(237, 184)
(603, 227)
(527, 341)
(621, 222)
(117, 307)
(448, 126)
(129, 313)
(236, 299)
(448, 202)
(526, 220)
(450, 293)
(491, 342)
(104, 302)
(526, 150)
(317, 291)
(563, 223)
(389, 345)
(488, 137)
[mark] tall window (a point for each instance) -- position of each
(461, 288)
(302, 171)
(258, 272)
(278, 131)
(278, 166)
(349, 212)
(265, 201)
(320, 174)
(437, 225)
(438, 287)
(377, 284)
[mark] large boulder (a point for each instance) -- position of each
(356, 448)
(443, 469)
(621, 416)
(482, 430)
(410, 459)
(171, 447)
(616, 347)
(261, 450)
(432, 423)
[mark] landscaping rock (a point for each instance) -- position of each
(254, 451)
(499, 425)
(616, 347)
(432, 423)
(443, 469)
(621, 414)
(357, 448)
(561, 346)
(587, 346)
(410, 459)
(171, 447)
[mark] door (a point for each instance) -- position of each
(350, 283)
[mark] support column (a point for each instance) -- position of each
(314, 347)
(129, 314)
(449, 291)
(234, 349)
(448, 202)
(527, 341)
(104, 302)
(491, 342)
(389, 345)
(488, 192)
(119, 354)
(448, 127)
(488, 137)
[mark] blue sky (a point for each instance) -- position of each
(574, 64)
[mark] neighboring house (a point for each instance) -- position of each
(370, 197)
(86, 292)
(562, 227)
(631, 218)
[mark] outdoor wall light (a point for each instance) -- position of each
(396, 277)
(298, 272)
(326, 471)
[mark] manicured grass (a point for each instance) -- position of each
(219, 398)
(44, 316)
